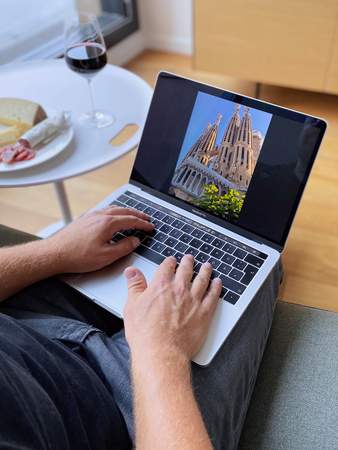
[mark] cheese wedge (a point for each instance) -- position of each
(16, 117)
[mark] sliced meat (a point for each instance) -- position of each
(31, 154)
(8, 155)
(22, 155)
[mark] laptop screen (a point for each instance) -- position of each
(241, 160)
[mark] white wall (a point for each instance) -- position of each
(164, 25)
(167, 24)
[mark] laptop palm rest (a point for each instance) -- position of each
(108, 287)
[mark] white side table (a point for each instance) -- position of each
(54, 86)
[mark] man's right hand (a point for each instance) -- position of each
(171, 314)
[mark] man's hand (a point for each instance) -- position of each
(172, 315)
(166, 324)
(83, 246)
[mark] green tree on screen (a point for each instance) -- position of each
(228, 205)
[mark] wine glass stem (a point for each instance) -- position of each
(91, 95)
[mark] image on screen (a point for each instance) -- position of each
(219, 154)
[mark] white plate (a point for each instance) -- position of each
(46, 152)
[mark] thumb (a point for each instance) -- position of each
(135, 280)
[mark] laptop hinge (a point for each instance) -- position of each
(229, 226)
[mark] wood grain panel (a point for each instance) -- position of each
(331, 79)
(286, 43)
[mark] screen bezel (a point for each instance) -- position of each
(257, 104)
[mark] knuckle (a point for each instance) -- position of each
(203, 278)
(180, 289)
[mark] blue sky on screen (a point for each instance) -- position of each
(206, 109)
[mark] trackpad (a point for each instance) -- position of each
(108, 287)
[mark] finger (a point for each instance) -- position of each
(114, 210)
(211, 299)
(123, 247)
(201, 282)
(136, 281)
(185, 270)
(119, 223)
(165, 271)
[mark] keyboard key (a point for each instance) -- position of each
(117, 237)
(178, 256)
(236, 274)
(141, 235)
(229, 259)
(159, 215)
(149, 254)
(232, 285)
(192, 251)
(150, 211)
(123, 198)
(197, 266)
(214, 274)
(217, 243)
(229, 248)
(168, 219)
(231, 297)
(181, 247)
(214, 262)
(148, 241)
(117, 203)
(239, 264)
(241, 254)
(185, 238)
(223, 292)
(129, 232)
(216, 253)
(176, 233)
(156, 222)
(140, 206)
(158, 247)
(257, 262)
(187, 228)
(202, 257)
(207, 238)
(166, 228)
(224, 268)
(197, 233)
(159, 236)
(131, 202)
(195, 243)
(177, 224)
(168, 251)
(171, 242)
(249, 273)
(206, 248)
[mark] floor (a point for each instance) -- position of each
(311, 254)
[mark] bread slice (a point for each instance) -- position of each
(17, 116)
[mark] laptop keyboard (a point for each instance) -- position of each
(235, 263)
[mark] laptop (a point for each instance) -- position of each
(221, 176)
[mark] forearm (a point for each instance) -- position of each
(22, 265)
(166, 412)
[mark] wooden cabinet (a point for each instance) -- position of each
(288, 42)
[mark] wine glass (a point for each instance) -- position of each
(85, 54)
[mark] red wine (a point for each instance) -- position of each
(86, 58)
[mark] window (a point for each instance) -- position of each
(33, 29)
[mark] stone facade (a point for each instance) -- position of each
(228, 165)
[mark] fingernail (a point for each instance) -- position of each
(135, 241)
(130, 273)
(207, 265)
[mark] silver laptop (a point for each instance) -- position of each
(222, 176)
